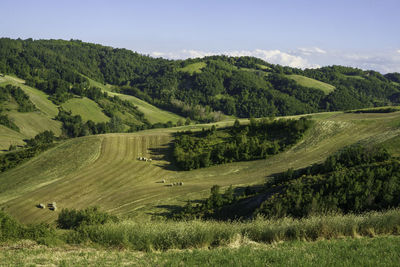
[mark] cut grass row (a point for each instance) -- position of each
(119, 183)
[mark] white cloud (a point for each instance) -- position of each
(308, 51)
(314, 57)
(271, 56)
(383, 61)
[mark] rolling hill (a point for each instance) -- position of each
(32, 123)
(199, 88)
(104, 170)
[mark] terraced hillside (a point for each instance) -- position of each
(104, 170)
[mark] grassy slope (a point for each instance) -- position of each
(308, 82)
(152, 113)
(378, 251)
(121, 184)
(10, 137)
(87, 108)
(30, 123)
(194, 67)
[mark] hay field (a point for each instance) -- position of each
(118, 182)
(308, 82)
(86, 108)
(152, 113)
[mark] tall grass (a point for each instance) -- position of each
(162, 235)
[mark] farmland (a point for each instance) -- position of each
(109, 175)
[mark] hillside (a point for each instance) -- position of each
(312, 83)
(110, 175)
(29, 123)
(43, 118)
(152, 113)
(201, 89)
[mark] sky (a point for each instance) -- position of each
(296, 33)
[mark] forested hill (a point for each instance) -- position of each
(197, 88)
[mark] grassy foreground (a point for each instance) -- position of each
(331, 240)
(164, 235)
(379, 251)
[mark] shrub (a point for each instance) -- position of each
(10, 229)
(72, 219)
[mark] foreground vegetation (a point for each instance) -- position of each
(378, 251)
(165, 235)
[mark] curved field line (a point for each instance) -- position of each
(118, 182)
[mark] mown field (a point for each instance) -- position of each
(30, 123)
(87, 108)
(309, 82)
(107, 172)
(152, 113)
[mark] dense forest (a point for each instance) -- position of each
(257, 140)
(354, 180)
(201, 89)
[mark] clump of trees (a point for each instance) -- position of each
(257, 140)
(209, 207)
(5, 120)
(356, 179)
(34, 146)
(10, 93)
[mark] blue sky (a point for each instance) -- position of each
(299, 33)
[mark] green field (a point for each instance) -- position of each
(152, 113)
(312, 83)
(86, 108)
(115, 180)
(378, 251)
(10, 137)
(30, 123)
(193, 68)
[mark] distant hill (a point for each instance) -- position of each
(201, 89)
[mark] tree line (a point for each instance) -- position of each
(239, 86)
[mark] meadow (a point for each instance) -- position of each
(309, 82)
(104, 170)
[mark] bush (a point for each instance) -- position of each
(11, 229)
(72, 219)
